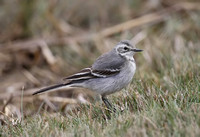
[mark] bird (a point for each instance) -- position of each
(110, 73)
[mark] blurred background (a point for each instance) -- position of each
(43, 41)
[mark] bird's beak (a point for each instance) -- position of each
(137, 50)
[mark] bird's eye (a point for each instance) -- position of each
(125, 48)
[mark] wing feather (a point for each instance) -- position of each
(89, 74)
(107, 65)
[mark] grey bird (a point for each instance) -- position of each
(110, 73)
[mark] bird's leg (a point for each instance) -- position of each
(108, 104)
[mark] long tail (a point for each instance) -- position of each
(50, 88)
(71, 81)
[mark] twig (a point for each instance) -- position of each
(51, 105)
(30, 77)
(60, 99)
(149, 18)
(15, 94)
(7, 102)
(47, 53)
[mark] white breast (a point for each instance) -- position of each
(129, 71)
(122, 80)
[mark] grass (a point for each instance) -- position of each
(168, 106)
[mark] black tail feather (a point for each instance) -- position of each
(49, 88)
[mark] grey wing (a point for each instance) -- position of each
(109, 61)
(105, 66)
(88, 73)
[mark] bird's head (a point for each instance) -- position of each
(126, 49)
